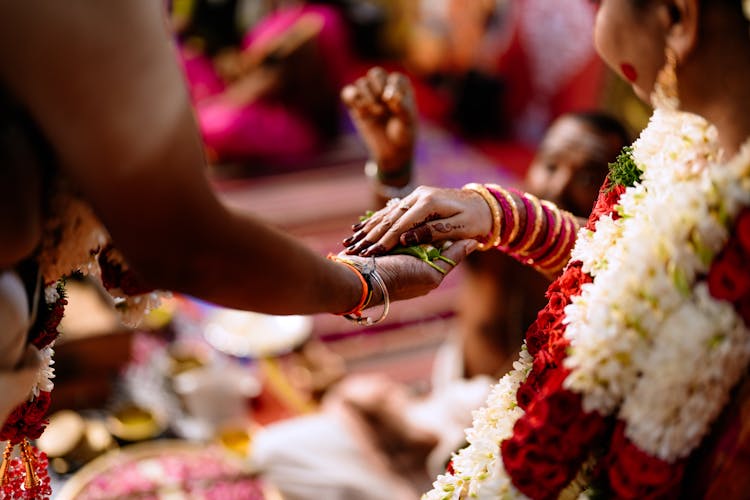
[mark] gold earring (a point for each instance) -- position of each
(665, 95)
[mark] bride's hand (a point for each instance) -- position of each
(406, 277)
(427, 215)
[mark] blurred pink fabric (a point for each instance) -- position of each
(271, 130)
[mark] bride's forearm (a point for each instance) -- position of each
(534, 232)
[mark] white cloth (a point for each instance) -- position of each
(18, 372)
(447, 410)
(319, 457)
(323, 456)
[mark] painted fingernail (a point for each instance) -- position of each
(358, 226)
(354, 238)
(350, 249)
(361, 246)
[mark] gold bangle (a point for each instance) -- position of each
(553, 262)
(539, 215)
(497, 221)
(558, 218)
(514, 211)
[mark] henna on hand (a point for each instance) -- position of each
(446, 227)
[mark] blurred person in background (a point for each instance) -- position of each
(267, 93)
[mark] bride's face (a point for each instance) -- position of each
(629, 37)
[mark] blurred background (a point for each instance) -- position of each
(489, 77)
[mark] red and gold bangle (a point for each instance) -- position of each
(366, 288)
(554, 226)
(509, 211)
(534, 219)
(497, 222)
(558, 257)
(544, 264)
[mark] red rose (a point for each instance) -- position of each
(557, 303)
(513, 453)
(570, 281)
(605, 203)
(532, 471)
(743, 308)
(536, 339)
(634, 473)
(553, 474)
(727, 278)
(38, 407)
(587, 427)
(525, 395)
(742, 230)
(26, 420)
(547, 320)
(523, 430)
(564, 407)
(529, 485)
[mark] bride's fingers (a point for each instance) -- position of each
(361, 238)
(386, 235)
(377, 225)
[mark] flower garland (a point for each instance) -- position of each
(27, 420)
(74, 241)
(648, 297)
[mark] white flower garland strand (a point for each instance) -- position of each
(643, 335)
(478, 469)
(46, 372)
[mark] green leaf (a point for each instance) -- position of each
(623, 171)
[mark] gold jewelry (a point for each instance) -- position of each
(514, 212)
(497, 221)
(558, 218)
(538, 216)
(555, 262)
(665, 94)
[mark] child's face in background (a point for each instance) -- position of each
(571, 165)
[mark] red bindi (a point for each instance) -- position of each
(629, 71)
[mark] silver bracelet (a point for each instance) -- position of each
(383, 190)
(370, 273)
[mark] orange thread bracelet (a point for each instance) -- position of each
(366, 288)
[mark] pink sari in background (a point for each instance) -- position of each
(278, 128)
